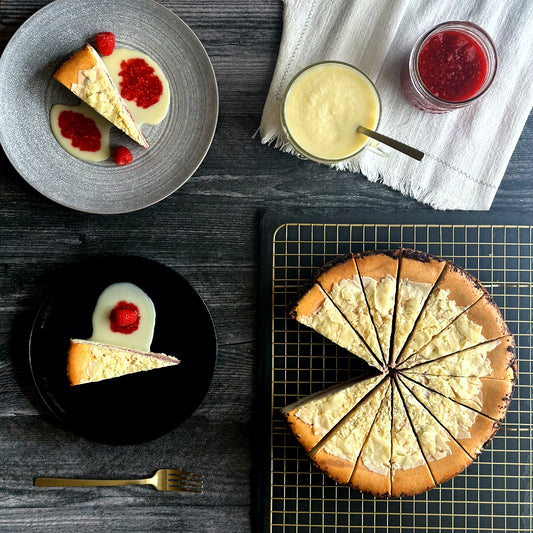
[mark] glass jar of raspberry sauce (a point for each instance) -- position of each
(449, 67)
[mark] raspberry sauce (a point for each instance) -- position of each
(81, 130)
(139, 82)
(124, 318)
(452, 66)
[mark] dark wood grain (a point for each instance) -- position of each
(208, 232)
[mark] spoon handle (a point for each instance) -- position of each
(397, 145)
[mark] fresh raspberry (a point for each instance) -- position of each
(122, 156)
(125, 317)
(105, 42)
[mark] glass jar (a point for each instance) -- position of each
(449, 67)
(322, 107)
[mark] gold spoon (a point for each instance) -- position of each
(397, 145)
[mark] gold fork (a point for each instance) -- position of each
(164, 479)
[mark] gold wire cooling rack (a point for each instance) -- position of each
(495, 492)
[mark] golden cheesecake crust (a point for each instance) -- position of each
(83, 59)
(79, 358)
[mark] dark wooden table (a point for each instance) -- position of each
(208, 231)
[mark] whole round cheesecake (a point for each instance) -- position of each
(442, 368)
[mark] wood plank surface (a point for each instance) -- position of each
(207, 231)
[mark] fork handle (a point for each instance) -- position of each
(68, 482)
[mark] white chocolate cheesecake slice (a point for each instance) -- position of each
(337, 453)
(372, 472)
(455, 291)
(312, 417)
(410, 472)
(444, 457)
(378, 272)
(471, 429)
(490, 397)
(417, 275)
(340, 280)
(89, 361)
(495, 359)
(481, 322)
(316, 310)
(87, 77)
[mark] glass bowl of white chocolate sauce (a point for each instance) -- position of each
(322, 108)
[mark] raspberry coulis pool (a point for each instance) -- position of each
(81, 130)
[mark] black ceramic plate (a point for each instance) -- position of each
(137, 407)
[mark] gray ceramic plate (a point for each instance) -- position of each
(27, 92)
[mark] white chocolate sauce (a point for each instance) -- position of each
(141, 339)
(153, 114)
(103, 125)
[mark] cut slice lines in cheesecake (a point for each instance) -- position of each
(444, 456)
(410, 472)
(482, 321)
(471, 429)
(490, 397)
(372, 472)
(455, 291)
(316, 310)
(313, 417)
(448, 369)
(495, 359)
(337, 453)
(341, 281)
(417, 276)
(378, 272)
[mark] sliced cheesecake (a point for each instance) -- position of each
(88, 78)
(417, 276)
(448, 369)
(340, 280)
(378, 272)
(455, 291)
(372, 472)
(337, 453)
(444, 456)
(89, 361)
(316, 310)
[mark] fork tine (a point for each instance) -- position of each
(185, 482)
(185, 486)
(177, 480)
(181, 472)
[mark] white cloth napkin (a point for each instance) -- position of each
(467, 150)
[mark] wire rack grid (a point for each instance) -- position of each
(495, 492)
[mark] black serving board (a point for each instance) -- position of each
(495, 492)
